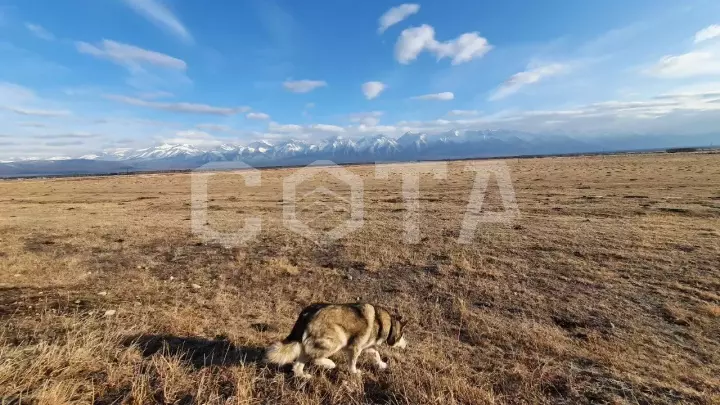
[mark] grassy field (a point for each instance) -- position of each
(606, 288)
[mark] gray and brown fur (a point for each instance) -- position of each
(322, 329)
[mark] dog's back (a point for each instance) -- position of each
(301, 324)
(337, 326)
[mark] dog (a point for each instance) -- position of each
(323, 329)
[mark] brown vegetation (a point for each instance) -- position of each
(605, 290)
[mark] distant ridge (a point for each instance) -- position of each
(368, 149)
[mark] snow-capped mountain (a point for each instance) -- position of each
(259, 147)
(291, 148)
(408, 147)
(164, 151)
(377, 145)
(337, 145)
(453, 136)
(413, 141)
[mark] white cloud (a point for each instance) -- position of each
(534, 74)
(696, 63)
(214, 127)
(130, 56)
(463, 49)
(257, 116)
(690, 111)
(444, 96)
(179, 107)
(610, 117)
(284, 128)
(396, 15)
(327, 128)
(412, 42)
(683, 113)
(462, 113)
(704, 60)
(372, 89)
(40, 32)
(194, 138)
(369, 119)
(303, 86)
(415, 40)
(707, 33)
(159, 14)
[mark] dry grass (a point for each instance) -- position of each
(605, 290)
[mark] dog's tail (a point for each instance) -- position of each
(283, 353)
(290, 349)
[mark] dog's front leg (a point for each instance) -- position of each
(355, 354)
(378, 360)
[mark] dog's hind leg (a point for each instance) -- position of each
(325, 363)
(299, 368)
(378, 360)
(319, 350)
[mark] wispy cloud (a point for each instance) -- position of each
(14, 93)
(149, 70)
(284, 128)
(334, 129)
(71, 135)
(707, 33)
(214, 127)
(195, 138)
(179, 107)
(23, 101)
(415, 40)
(160, 15)
(130, 56)
(32, 124)
(396, 15)
(372, 89)
(444, 96)
(463, 113)
(64, 143)
(533, 74)
(370, 119)
(37, 112)
(40, 32)
(303, 86)
(153, 95)
(257, 116)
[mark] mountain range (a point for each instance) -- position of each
(408, 147)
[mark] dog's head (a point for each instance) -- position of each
(396, 338)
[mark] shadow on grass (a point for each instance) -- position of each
(199, 352)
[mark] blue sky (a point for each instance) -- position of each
(85, 75)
